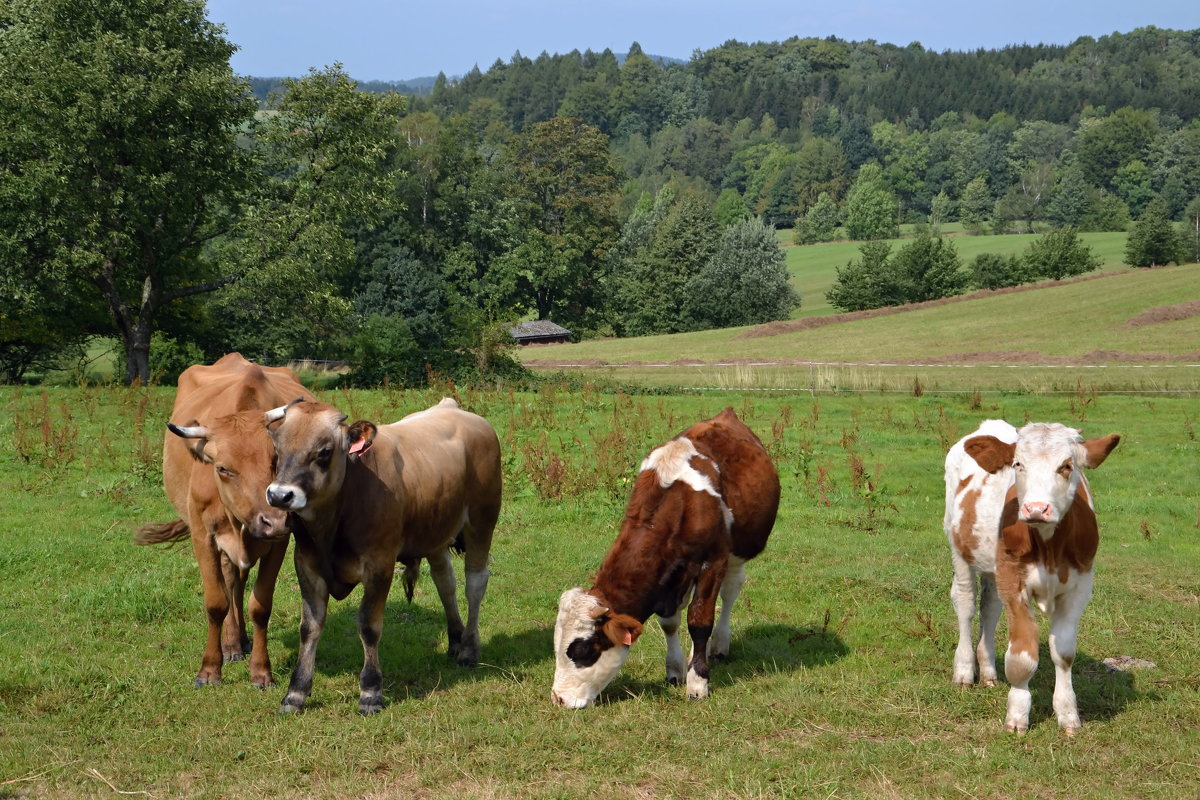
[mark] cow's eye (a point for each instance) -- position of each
(323, 455)
(1018, 465)
(1065, 469)
(225, 472)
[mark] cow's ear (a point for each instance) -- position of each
(359, 438)
(1098, 449)
(622, 629)
(990, 453)
(197, 436)
(1016, 539)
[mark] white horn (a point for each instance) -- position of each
(276, 414)
(188, 431)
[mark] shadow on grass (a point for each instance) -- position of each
(1101, 693)
(412, 650)
(756, 651)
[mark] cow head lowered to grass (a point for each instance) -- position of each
(702, 506)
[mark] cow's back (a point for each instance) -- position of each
(206, 392)
(749, 481)
(425, 472)
(975, 498)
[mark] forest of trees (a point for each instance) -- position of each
(151, 197)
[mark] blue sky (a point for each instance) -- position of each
(381, 40)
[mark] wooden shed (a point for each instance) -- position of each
(541, 331)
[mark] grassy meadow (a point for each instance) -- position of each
(1053, 337)
(839, 679)
(814, 267)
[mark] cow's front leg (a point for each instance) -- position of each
(216, 598)
(370, 628)
(441, 569)
(261, 600)
(1064, 625)
(234, 641)
(1020, 663)
(314, 594)
(700, 626)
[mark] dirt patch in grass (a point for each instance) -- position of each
(1165, 314)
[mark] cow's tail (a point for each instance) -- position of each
(162, 532)
(412, 571)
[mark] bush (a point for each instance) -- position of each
(1059, 254)
(169, 357)
(994, 271)
(1154, 240)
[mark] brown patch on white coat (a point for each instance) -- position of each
(702, 505)
(1045, 543)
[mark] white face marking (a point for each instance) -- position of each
(577, 686)
(1048, 461)
(672, 463)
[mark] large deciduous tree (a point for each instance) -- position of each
(565, 182)
(323, 150)
(118, 156)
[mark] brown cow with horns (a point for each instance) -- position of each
(362, 498)
(216, 467)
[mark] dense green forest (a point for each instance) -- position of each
(152, 195)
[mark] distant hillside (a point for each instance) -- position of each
(263, 87)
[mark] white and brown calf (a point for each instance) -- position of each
(1045, 543)
(702, 506)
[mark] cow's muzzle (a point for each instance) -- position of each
(286, 496)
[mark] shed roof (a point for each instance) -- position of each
(537, 329)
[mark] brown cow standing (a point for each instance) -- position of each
(364, 497)
(702, 506)
(216, 467)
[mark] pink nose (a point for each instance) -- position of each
(554, 698)
(1037, 512)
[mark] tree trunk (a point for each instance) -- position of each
(137, 353)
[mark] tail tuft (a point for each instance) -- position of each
(412, 571)
(162, 532)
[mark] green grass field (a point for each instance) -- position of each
(1047, 338)
(839, 680)
(814, 267)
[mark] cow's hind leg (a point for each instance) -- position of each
(700, 626)
(370, 628)
(441, 569)
(477, 535)
(962, 595)
(314, 605)
(731, 587)
(989, 616)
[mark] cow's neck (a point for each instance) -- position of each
(641, 581)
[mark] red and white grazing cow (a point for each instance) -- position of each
(216, 467)
(1020, 496)
(702, 506)
(364, 497)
